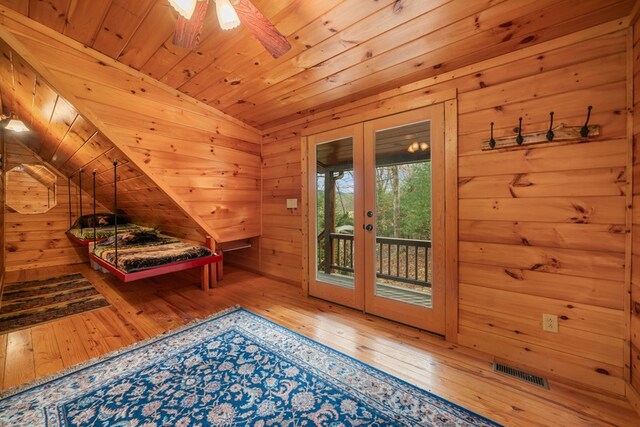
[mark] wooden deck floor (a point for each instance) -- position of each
(149, 307)
(383, 290)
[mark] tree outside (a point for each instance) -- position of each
(403, 210)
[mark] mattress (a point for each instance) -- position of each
(142, 250)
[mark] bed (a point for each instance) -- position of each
(142, 254)
(82, 231)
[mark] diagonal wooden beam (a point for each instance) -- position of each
(87, 112)
(7, 16)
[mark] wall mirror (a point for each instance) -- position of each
(31, 189)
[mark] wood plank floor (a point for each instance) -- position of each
(146, 308)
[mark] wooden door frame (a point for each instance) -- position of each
(427, 318)
(449, 99)
(333, 293)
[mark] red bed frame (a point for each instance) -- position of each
(208, 278)
(82, 242)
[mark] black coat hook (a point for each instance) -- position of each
(550, 133)
(492, 141)
(584, 131)
(519, 138)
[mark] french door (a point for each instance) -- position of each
(376, 217)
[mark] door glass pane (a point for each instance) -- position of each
(334, 212)
(403, 213)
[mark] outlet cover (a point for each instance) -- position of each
(292, 203)
(550, 323)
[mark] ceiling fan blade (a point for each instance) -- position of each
(275, 43)
(188, 31)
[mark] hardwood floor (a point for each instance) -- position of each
(149, 307)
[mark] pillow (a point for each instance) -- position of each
(133, 238)
(102, 220)
(138, 238)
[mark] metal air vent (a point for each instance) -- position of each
(521, 375)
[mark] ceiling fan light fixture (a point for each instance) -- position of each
(184, 7)
(227, 15)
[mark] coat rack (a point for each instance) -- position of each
(562, 132)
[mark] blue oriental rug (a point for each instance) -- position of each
(233, 369)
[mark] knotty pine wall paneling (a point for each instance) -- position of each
(64, 138)
(635, 263)
(541, 229)
(3, 160)
(247, 258)
(39, 240)
(208, 163)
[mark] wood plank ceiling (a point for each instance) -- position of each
(342, 50)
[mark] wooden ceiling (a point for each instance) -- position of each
(64, 139)
(342, 50)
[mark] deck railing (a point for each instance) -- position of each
(401, 260)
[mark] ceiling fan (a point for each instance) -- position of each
(191, 14)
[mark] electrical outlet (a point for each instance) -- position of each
(550, 323)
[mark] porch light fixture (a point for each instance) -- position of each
(227, 16)
(14, 124)
(418, 146)
(184, 7)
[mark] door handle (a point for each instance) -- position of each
(369, 227)
(370, 214)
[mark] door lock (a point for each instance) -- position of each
(369, 227)
(370, 214)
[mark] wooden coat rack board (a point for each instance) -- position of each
(561, 132)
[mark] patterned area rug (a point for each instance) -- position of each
(234, 369)
(25, 304)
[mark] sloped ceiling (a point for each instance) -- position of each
(342, 49)
(185, 168)
(64, 138)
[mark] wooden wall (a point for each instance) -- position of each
(2, 198)
(28, 193)
(541, 229)
(38, 240)
(64, 138)
(208, 163)
(635, 277)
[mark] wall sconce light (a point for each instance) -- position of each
(14, 124)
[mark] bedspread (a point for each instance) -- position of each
(139, 251)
